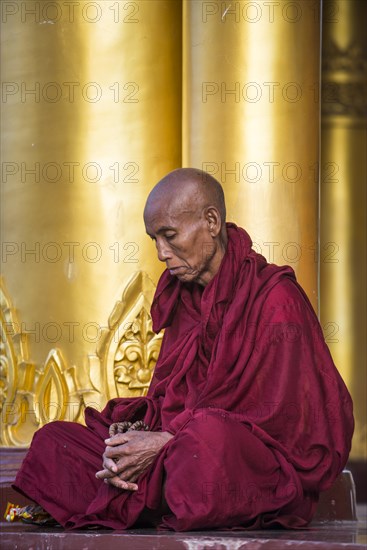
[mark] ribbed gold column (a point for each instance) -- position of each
(91, 121)
(343, 200)
(251, 118)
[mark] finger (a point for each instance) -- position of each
(118, 439)
(131, 476)
(119, 464)
(104, 474)
(114, 480)
(126, 468)
(110, 464)
(129, 473)
(116, 452)
(121, 484)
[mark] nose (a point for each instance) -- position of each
(163, 250)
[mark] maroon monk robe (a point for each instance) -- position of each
(262, 421)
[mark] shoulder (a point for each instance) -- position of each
(287, 299)
(287, 317)
(287, 290)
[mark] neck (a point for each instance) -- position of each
(215, 261)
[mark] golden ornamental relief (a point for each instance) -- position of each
(8, 354)
(56, 394)
(351, 59)
(13, 350)
(136, 356)
(16, 376)
(129, 348)
(344, 82)
(32, 395)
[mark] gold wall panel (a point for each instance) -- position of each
(251, 118)
(343, 201)
(91, 121)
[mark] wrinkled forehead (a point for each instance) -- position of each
(168, 209)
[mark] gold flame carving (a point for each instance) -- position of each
(16, 374)
(51, 390)
(129, 349)
(30, 396)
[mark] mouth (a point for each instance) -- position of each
(176, 270)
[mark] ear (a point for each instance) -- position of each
(214, 220)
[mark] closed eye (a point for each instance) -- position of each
(170, 236)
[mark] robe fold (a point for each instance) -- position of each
(262, 421)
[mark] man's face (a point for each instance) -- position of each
(182, 239)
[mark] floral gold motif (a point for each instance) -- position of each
(129, 348)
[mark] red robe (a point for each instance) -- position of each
(261, 418)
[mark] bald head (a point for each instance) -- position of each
(191, 189)
(185, 216)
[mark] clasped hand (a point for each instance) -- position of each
(128, 454)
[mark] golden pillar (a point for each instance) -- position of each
(91, 120)
(343, 199)
(251, 118)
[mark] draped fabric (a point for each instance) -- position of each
(262, 421)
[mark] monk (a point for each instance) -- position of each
(246, 419)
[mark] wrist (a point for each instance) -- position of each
(166, 436)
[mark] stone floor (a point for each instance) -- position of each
(330, 535)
